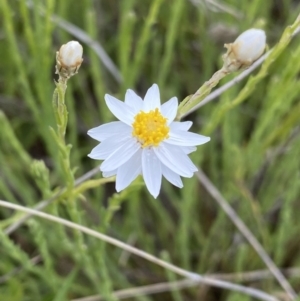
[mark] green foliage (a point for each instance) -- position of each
(253, 155)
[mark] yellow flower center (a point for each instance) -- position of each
(150, 128)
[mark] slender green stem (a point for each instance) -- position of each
(61, 116)
(192, 100)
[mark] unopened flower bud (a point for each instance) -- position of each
(68, 59)
(245, 50)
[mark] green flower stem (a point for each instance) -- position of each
(192, 100)
(61, 116)
(60, 110)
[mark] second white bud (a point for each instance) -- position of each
(250, 45)
(245, 50)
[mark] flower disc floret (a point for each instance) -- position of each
(150, 128)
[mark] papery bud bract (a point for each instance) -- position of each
(245, 50)
(69, 59)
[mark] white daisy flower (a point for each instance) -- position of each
(145, 141)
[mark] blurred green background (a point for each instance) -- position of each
(252, 158)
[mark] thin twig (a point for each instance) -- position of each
(187, 274)
(43, 204)
(125, 255)
(214, 192)
(145, 290)
(255, 275)
(186, 283)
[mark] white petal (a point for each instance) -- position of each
(169, 109)
(171, 176)
(151, 171)
(107, 130)
(175, 159)
(108, 146)
(129, 171)
(120, 109)
(183, 138)
(133, 100)
(182, 126)
(188, 149)
(108, 174)
(120, 155)
(152, 99)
